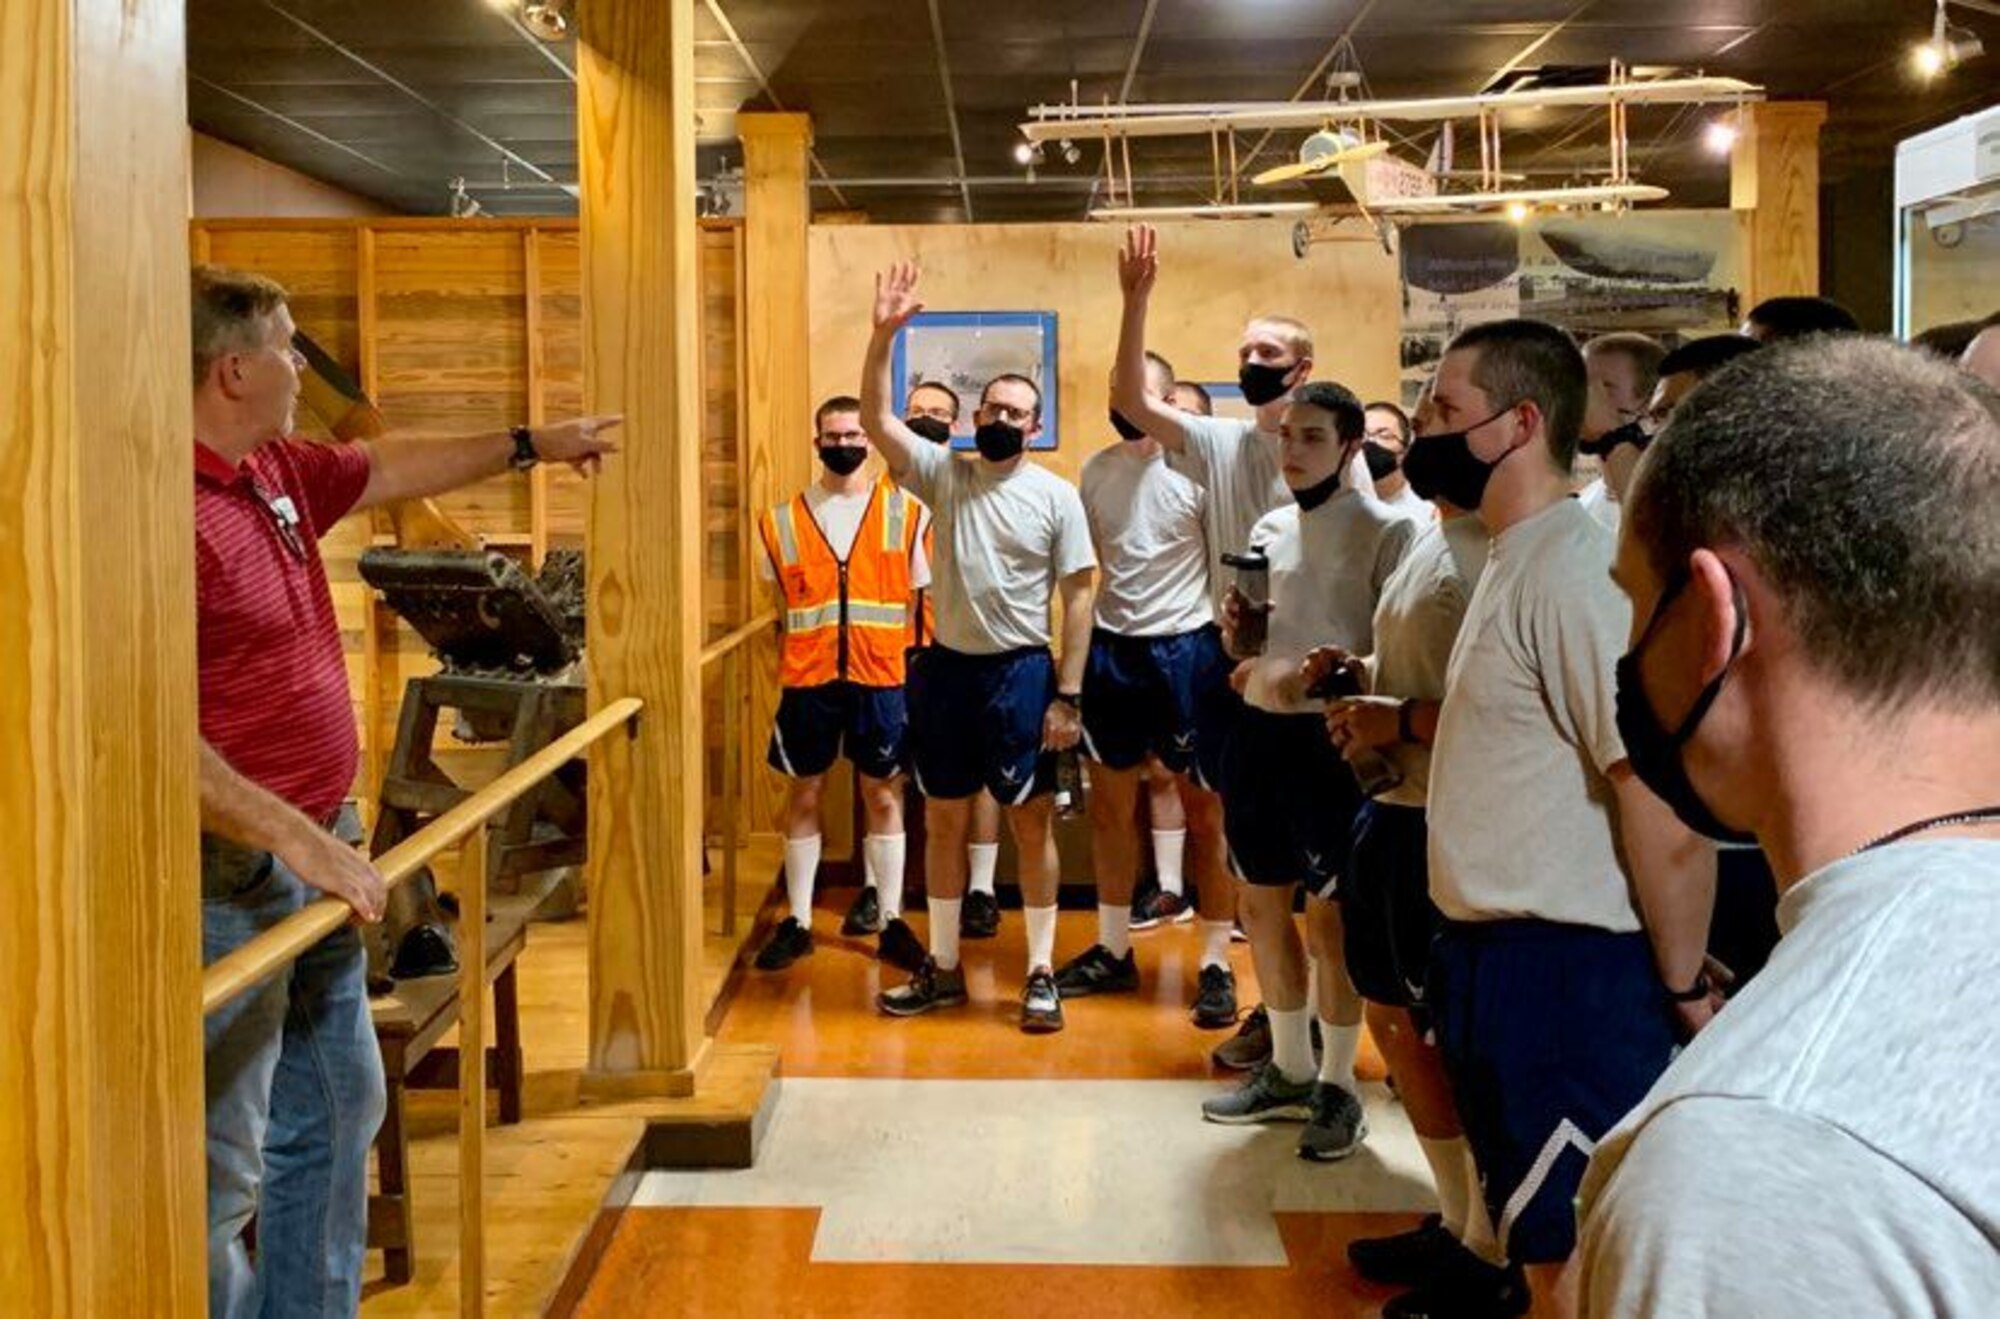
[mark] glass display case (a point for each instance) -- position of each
(1948, 224)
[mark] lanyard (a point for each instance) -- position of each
(1981, 815)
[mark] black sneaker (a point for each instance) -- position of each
(900, 947)
(865, 916)
(1467, 1287)
(1250, 1047)
(1215, 998)
(1337, 1126)
(979, 918)
(1407, 1258)
(1041, 1005)
(931, 987)
(789, 942)
(1268, 1096)
(1160, 908)
(1096, 971)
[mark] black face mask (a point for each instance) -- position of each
(1601, 447)
(843, 459)
(997, 441)
(1263, 384)
(1126, 430)
(937, 432)
(1654, 752)
(1313, 496)
(1382, 460)
(1443, 466)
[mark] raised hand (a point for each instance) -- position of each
(1139, 261)
(896, 296)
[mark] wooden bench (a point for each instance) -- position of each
(408, 1024)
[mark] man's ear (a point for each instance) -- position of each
(1301, 372)
(1722, 606)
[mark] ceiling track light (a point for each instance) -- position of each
(548, 19)
(1949, 46)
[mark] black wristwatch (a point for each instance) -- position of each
(1406, 728)
(1074, 700)
(1695, 993)
(524, 449)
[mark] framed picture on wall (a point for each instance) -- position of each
(962, 350)
(1227, 399)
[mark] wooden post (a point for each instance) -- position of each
(538, 477)
(472, 1074)
(102, 1200)
(635, 124)
(732, 775)
(1774, 189)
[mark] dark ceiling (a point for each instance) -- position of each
(915, 102)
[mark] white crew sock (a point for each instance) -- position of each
(1338, 1046)
(1479, 1238)
(1041, 937)
(883, 855)
(1169, 847)
(980, 859)
(1215, 936)
(1451, 1166)
(801, 865)
(944, 931)
(1114, 927)
(1291, 1043)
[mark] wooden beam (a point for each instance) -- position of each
(1774, 189)
(472, 1080)
(635, 124)
(538, 477)
(102, 1200)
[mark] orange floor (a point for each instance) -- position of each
(760, 1259)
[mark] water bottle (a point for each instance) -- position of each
(1069, 783)
(1253, 615)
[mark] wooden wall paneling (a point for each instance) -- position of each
(102, 1198)
(635, 117)
(1774, 188)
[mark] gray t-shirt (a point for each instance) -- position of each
(1146, 520)
(1002, 543)
(1416, 625)
(1521, 811)
(1237, 465)
(1830, 1144)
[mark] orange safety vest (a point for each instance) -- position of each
(844, 620)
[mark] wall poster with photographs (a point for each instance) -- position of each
(962, 350)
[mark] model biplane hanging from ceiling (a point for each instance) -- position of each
(1347, 165)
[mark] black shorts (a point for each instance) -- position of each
(1551, 1034)
(1385, 903)
(976, 722)
(1288, 801)
(817, 725)
(1218, 709)
(1140, 696)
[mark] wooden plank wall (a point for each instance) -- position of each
(464, 326)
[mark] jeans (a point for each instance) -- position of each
(294, 1096)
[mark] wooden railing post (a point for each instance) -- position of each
(472, 1075)
(732, 772)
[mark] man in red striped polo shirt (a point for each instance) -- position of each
(294, 1078)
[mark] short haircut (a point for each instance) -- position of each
(945, 390)
(1162, 365)
(1643, 351)
(1294, 332)
(1862, 477)
(1005, 376)
(1950, 340)
(1350, 420)
(838, 403)
(229, 310)
(1703, 357)
(1395, 410)
(1523, 361)
(1201, 396)
(1796, 317)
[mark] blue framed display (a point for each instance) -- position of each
(1226, 396)
(962, 350)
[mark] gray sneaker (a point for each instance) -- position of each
(1337, 1125)
(1266, 1097)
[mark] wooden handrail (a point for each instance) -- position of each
(235, 972)
(716, 649)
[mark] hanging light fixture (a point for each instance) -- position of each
(1949, 46)
(548, 19)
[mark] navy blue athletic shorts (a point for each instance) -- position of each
(816, 725)
(1288, 801)
(976, 722)
(1140, 694)
(1385, 905)
(1218, 709)
(1550, 1034)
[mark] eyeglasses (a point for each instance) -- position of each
(939, 413)
(285, 516)
(843, 437)
(1013, 416)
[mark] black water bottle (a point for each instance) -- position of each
(1069, 783)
